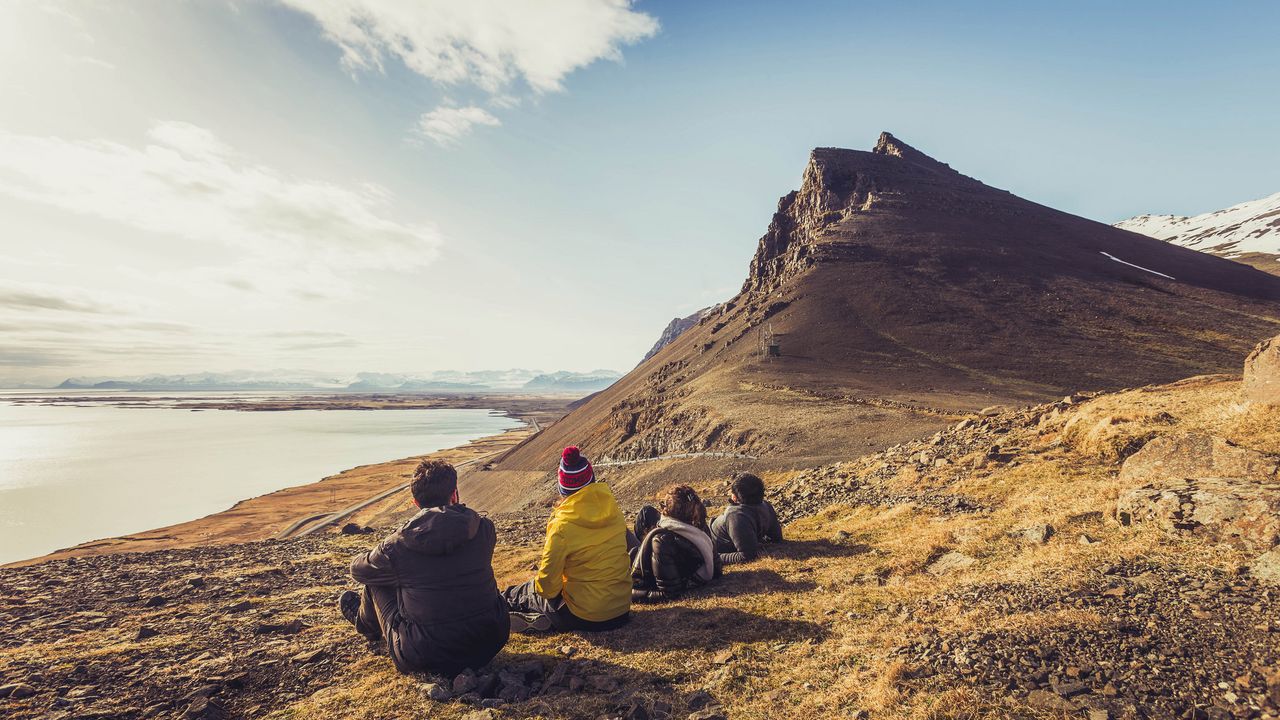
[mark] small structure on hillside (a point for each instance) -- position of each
(770, 343)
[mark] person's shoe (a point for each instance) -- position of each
(349, 605)
(529, 622)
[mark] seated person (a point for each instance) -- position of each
(584, 576)
(429, 588)
(747, 523)
(675, 552)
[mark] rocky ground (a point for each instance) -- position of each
(239, 631)
(1159, 643)
(994, 437)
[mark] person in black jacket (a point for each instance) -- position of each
(674, 552)
(747, 523)
(429, 588)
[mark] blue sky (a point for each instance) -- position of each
(208, 185)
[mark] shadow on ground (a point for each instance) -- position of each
(679, 627)
(805, 549)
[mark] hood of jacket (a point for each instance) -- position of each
(591, 507)
(439, 530)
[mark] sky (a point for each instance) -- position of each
(390, 186)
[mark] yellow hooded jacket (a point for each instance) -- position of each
(585, 558)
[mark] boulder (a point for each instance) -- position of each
(1198, 484)
(1196, 455)
(1267, 567)
(1262, 373)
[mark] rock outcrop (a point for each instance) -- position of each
(1195, 483)
(838, 184)
(1262, 373)
(675, 329)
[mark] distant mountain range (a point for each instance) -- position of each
(448, 381)
(1248, 232)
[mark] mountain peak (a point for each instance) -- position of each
(887, 144)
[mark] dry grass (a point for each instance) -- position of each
(809, 631)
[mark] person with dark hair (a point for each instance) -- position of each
(747, 523)
(584, 576)
(675, 552)
(429, 588)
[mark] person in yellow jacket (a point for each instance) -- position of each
(584, 577)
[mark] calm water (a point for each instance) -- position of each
(73, 474)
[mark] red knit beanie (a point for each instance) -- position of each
(575, 471)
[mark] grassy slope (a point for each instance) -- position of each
(818, 628)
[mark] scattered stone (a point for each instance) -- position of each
(207, 690)
(1267, 567)
(1262, 373)
(145, 632)
(291, 627)
(1051, 702)
(949, 562)
(603, 683)
(1087, 539)
(237, 607)
(436, 692)
(155, 601)
(701, 699)
(465, 682)
(16, 691)
(1037, 534)
(309, 656)
(205, 709)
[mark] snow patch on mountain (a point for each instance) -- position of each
(1250, 227)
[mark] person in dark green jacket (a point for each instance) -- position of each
(429, 588)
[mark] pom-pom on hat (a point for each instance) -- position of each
(575, 471)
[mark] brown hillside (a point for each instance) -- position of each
(902, 292)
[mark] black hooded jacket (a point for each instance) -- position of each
(450, 615)
(668, 567)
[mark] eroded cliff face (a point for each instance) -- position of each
(839, 184)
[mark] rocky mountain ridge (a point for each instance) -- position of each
(888, 280)
(675, 329)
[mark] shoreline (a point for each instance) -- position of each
(264, 516)
(522, 406)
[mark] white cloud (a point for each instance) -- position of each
(488, 43)
(187, 184)
(447, 125)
